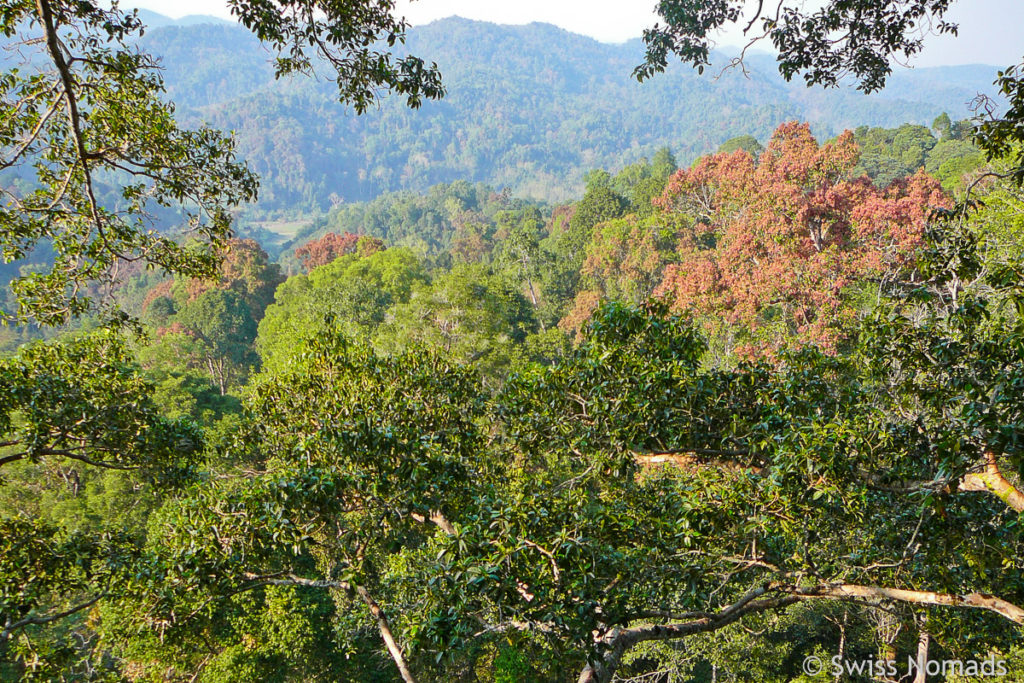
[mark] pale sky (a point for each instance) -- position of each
(990, 30)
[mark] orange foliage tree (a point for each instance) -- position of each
(332, 245)
(245, 270)
(773, 246)
(326, 249)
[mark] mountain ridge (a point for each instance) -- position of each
(529, 107)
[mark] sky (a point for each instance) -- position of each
(990, 30)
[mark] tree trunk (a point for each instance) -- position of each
(842, 645)
(923, 641)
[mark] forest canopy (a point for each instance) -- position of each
(706, 421)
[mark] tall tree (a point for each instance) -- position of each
(472, 313)
(520, 235)
(775, 246)
(351, 294)
(84, 123)
(224, 327)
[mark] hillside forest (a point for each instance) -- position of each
(677, 411)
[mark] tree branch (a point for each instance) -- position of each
(72, 455)
(845, 591)
(617, 641)
(38, 621)
(14, 457)
(438, 518)
(694, 458)
(74, 116)
(991, 480)
(289, 579)
(385, 632)
(614, 644)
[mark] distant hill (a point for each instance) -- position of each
(530, 108)
(155, 20)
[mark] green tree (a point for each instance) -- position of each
(942, 125)
(747, 143)
(471, 313)
(224, 330)
(664, 163)
(520, 235)
(599, 204)
(351, 294)
(643, 181)
(175, 363)
(352, 506)
(69, 411)
(891, 153)
(954, 162)
(623, 496)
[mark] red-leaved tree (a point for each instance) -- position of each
(332, 245)
(326, 249)
(773, 246)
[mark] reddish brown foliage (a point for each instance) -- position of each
(779, 241)
(246, 270)
(324, 250)
(161, 290)
(583, 307)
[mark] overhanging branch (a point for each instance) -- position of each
(613, 645)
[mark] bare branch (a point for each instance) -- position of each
(695, 458)
(385, 632)
(875, 593)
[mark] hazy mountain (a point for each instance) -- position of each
(528, 107)
(155, 20)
